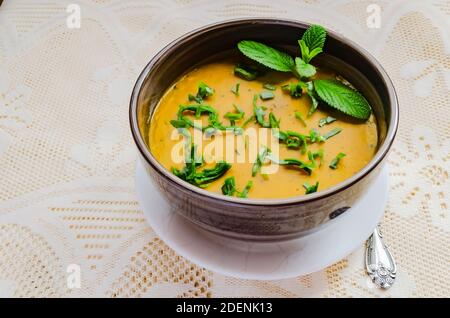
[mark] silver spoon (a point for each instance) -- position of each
(380, 264)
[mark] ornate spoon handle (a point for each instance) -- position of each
(380, 264)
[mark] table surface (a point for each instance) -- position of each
(67, 159)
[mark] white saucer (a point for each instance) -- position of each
(265, 261)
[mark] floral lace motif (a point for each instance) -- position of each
(67, 158)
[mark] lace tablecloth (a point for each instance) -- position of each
(67, 159)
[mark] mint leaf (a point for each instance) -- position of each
(267, 56)
(314, 52)
(315, 37)
(304, 49)
(312, 42)
(343, 98)
(304, 69)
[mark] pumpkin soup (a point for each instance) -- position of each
(325, 129)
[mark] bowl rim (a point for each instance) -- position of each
(375, 161)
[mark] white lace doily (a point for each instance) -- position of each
(67, 158)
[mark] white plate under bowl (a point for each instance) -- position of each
(264, 261)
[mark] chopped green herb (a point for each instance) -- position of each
(262, 155)
(314, 136)
(233, 117)
(247, 121)
(265, 95)
(238, 109)
(259, 113)
(179, 123)
(332, 133)
(312, 96)
(294, 89)
(198, 110)
(270, 87)
(274, 122)
(313, 155)
(326, 120)
(311, 188)
(265, 176)
(203, 92)
(335, 161)
(299, 116)
(244, 193)
(206, 176)
(307, 167)
(245, 73)
(229, 186)
(293, 140)
(200, 178)
(235, 89)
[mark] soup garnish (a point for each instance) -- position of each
(307, 110)
(332, 92)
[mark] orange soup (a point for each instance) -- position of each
(332, 147)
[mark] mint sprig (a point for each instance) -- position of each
(311, 44)
(343, 98)
(332, 92)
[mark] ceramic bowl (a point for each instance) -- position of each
(261, 219)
